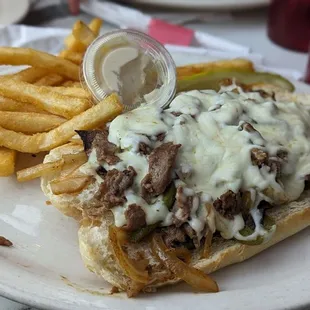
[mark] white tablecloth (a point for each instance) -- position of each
(248, 29)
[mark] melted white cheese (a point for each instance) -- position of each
(229, 228)
(216, 153)
(156, 212)
(90, 167)
(145, 120)
(259, 229)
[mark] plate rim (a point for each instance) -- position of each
(198, 4)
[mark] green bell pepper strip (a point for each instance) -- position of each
(268, 224)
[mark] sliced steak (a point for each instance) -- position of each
(275, 163)
(182, 207)
(135, 217)
(144, 148)
(101, 172)
(161, 136)
(229, 204)
(111, 191)
(87, 136)
(98, 140)
(180, 236)
(161, 162)
(174, 236)
(259, 157)
(192, 234)
(105, 150)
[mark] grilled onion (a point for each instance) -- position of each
(194, 277)
(124, 261)
(183, 254)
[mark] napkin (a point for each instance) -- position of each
(51, 40)
(161, 30)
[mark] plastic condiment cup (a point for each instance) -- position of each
(159, 74)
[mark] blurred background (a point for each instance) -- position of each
(278, 30)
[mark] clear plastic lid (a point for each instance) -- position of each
(131, 64)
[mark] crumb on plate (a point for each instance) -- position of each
(5, 242)
(114, 290)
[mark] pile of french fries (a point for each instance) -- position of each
(43, 105)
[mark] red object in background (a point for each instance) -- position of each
(289, 24)
(307, 79)
(166, 33)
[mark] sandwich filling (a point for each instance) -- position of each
(210, 162)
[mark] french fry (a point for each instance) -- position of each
(7, 104)
(7, 161)
(97, 115)
(74, 57)
(72, 84)
(72, 164)
(72, 92)
(29, 122)
(80, 158)
(43, 97)
(72, 44)
(232, 64)
(68, 164)
(73, 161)
(39, 170)
(50, 80)
(26, 56)
(75, 45)
(27, 98)
(95, 26)
(30, 75)
(83, 34)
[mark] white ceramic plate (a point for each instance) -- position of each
(12, 11)
(207, 4)
(44, 268)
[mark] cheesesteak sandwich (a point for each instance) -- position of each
(209, 181)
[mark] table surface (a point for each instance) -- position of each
(248, 29)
